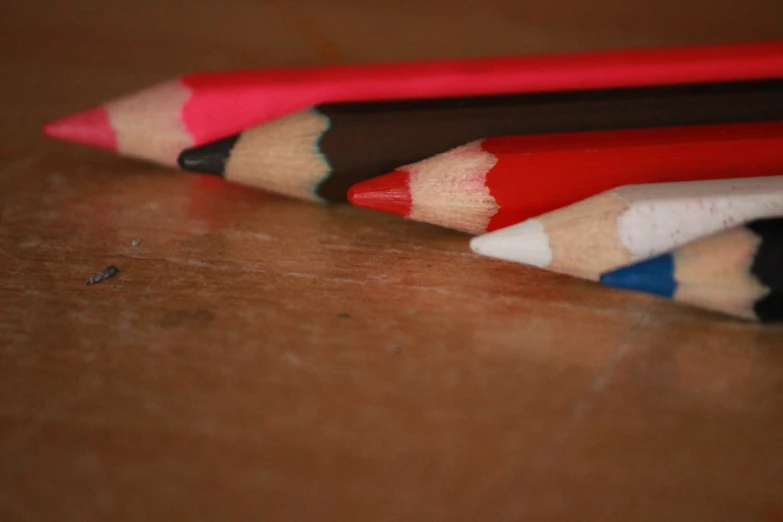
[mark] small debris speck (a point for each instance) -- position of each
(106, 273)
(136, 242)
(344, 315)
(395, 350)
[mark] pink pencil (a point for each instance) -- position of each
(157, 123)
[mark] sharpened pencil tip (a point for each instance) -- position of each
(91, 127)
(208, 159)
(652, 276)
(526, 242)
(388, 193)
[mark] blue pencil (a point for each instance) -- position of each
(738, 272)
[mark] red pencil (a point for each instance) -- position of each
(497, 182)
(157, 123)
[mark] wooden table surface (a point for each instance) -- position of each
(262, 359)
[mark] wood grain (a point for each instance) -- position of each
(259, 358)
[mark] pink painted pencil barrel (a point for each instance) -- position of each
(157, 123)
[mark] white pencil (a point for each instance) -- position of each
(633, 222)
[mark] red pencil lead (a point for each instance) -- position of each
(389, 193)
(91, 127)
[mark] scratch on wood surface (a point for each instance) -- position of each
(261, 236)
(152, 282)
(580, 409)
(469, 295)
(575, 416)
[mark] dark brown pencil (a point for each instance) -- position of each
(318, 153)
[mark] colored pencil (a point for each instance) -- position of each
(317, 154)
(157, 123)
(497, 182)
(737, 271)
(632, 222)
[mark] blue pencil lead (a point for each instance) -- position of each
(653, 276)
